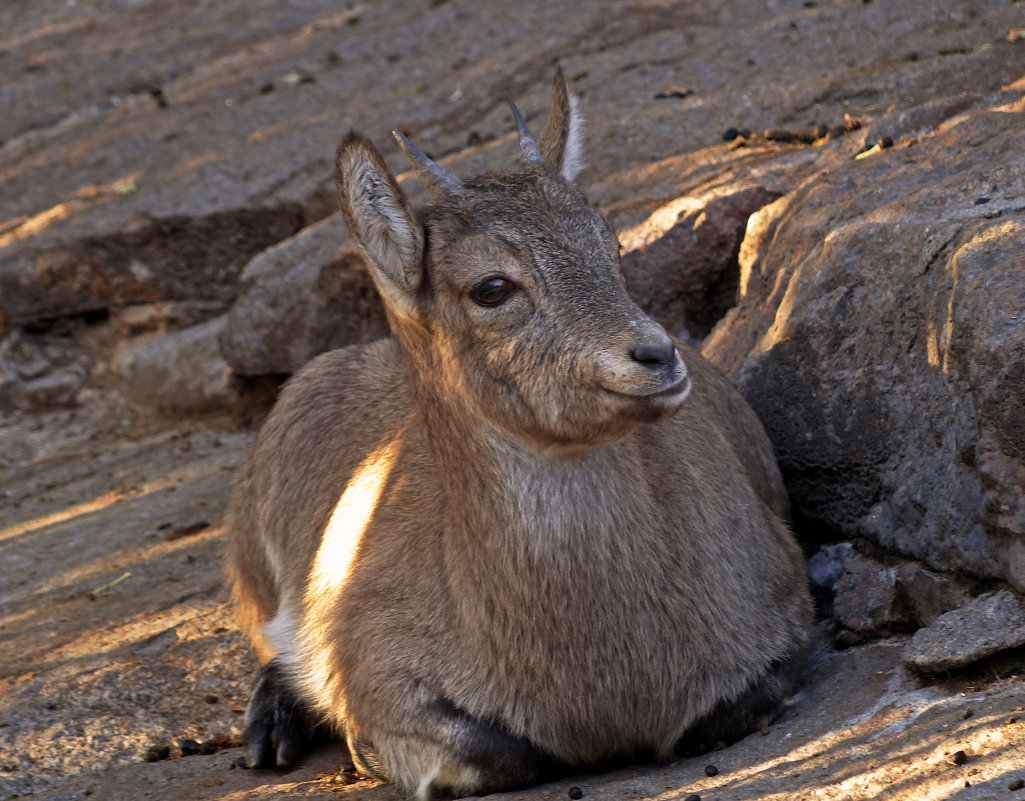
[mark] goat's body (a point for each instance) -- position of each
(587, 618)
(530, 530)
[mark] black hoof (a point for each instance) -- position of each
(279, 726)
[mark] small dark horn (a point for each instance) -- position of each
(435, 177)
(528, 147)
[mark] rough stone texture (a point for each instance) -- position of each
(875, 599)
(827, 563)
(301, 298)
(879, 336)
(176, 258)
(867, 598)
(980, 628)
(928, 594)
(45, 370)
(681, 266)
(180, 373)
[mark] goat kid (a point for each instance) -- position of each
(528, 531)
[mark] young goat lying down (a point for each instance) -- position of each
(529, 531)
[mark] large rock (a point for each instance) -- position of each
(680, 264)
(150, 260)
(178, 373)
(880, 336)
(301, 298)
(978, 629)
(41, 370)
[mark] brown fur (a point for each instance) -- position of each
(545, 559)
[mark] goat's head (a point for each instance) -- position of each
(507, 294)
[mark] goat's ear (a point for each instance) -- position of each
(381, 221)
(561, 142)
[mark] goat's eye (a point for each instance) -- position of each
(492, 291)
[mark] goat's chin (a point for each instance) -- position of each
(651, 403)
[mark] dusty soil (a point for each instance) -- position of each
(115, 629)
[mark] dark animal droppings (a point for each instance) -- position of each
(156, 753)
(575, 793)
(711, 770)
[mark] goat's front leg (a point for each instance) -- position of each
(279, 725)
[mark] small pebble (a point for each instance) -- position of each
(1017, 784)
(886, 142)
(212, 699)
(188, 747)
(711, 770)
(780, 135)
(960, 757)
(155, 753)
(575, 793)
(158, 97)
(673, 92)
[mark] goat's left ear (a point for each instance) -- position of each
(381, 221)
(562, 140)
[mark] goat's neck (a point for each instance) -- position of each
(501, 492)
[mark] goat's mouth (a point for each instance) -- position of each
(664, 395)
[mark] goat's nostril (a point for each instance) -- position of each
(654, 353)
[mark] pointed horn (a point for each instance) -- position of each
(528, 147)
(435, 177)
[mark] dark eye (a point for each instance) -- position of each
(492, 291)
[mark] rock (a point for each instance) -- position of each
(826, 564)
(978, 629)
(41, 371)
(927, 594)
(875, 599)
(867, 599)
(179, 373)
(879, 336)
(301, 298)
(681, 263)
(160, 318)
(176, 258)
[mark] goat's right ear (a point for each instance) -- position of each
(560, 143)
(381, 221)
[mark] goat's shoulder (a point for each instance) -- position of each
(339, 406)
